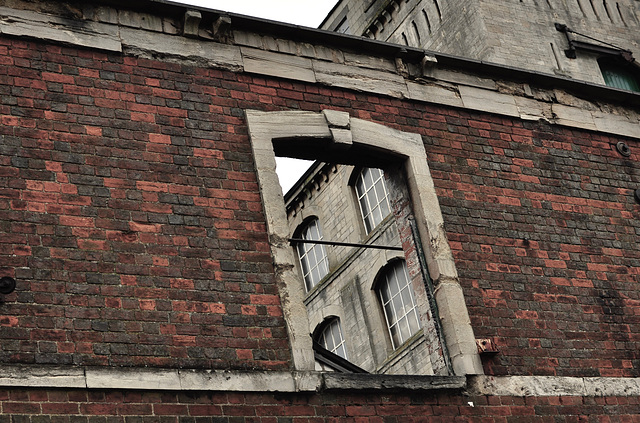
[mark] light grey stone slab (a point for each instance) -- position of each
(32, 376)
(213, 54)
(245, 38)
(531, 109)
(162, 379)
(48, 27)
(337, 118)
(611, 386)
(488, 101)
(277, 64)
(237, 381)
(573, 116)
(140, 20)
(617, 124)
(526, 386)
(360, 79)
(460, 78)
(371, 62)
(447, 96)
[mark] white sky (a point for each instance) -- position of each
(300, 12)
(309, 13)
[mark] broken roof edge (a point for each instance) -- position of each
(413, 54)
(363, 45)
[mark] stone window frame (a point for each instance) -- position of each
(338, 132)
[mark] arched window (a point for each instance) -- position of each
(331, 339)
(373, 197)
(313, 257)
(398, 302)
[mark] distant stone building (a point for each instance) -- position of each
(594, 41)
(360, 299)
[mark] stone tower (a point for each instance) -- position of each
(589, 40)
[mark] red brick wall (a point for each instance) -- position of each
(544, 228)
(132, 221)
(131, 216)
(43, 405)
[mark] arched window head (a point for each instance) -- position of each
(372, 197)
(398, 302)
(313, 257)
(330, 337)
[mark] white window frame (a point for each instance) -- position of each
(329, 330)
(400, 307)
(373, 208)
(313, 257)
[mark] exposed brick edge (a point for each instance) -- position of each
(538, 386)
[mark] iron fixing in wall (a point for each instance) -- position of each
(7, 285)
(623, 149)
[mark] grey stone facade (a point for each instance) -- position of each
(347, 291)
(516, 33)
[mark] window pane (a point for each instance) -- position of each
(373, 197)
(313, 257)
(398, 301)
(331, 338)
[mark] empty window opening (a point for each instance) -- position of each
(311, 135)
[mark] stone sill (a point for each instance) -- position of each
(215, 380)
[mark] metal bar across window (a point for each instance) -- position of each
(344, 244)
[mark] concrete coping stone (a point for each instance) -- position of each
(68, 377)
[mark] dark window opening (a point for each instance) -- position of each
(619, 74)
